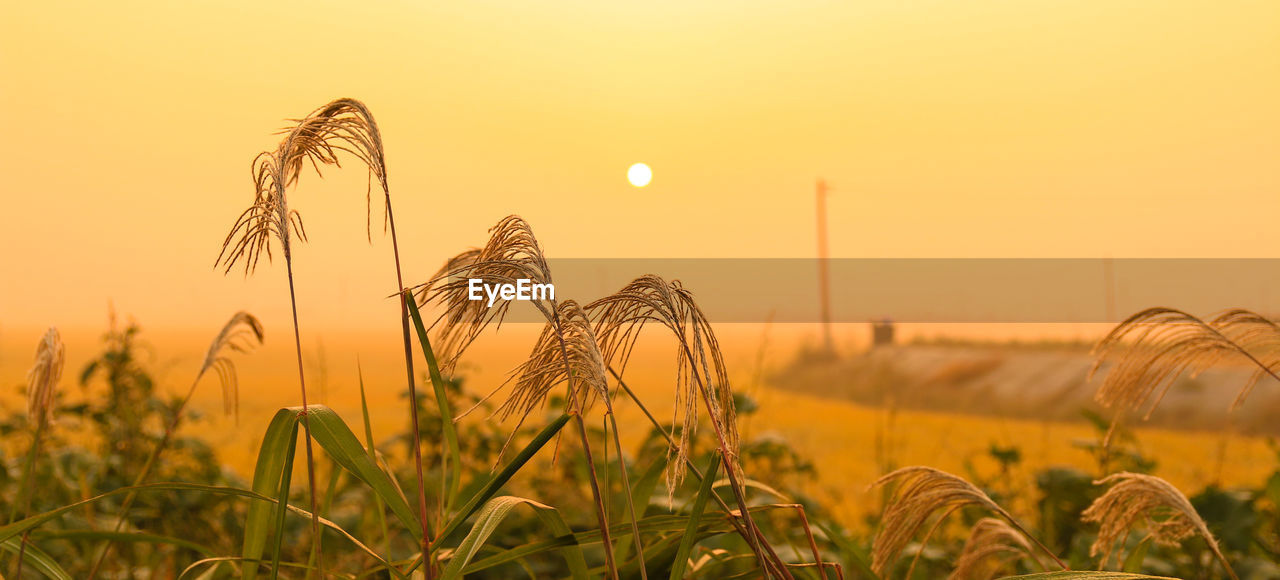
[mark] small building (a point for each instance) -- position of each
(881, 332)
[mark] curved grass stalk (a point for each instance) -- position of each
(571, 316)
(425, 546)
(579, 359)
(237, 335)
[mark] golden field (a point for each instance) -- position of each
(842, 438)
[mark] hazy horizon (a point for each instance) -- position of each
(1003, 129)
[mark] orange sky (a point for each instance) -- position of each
(995, 128)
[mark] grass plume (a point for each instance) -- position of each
(1135, 498)
(700, 375)
(42, 384)
(992, 545)
(42, 379)
(700, 368)
(922, 492)
(240, 334)
(567, 352)
(344, 125)
(546, 367)
(1158, 345)
(513, 253)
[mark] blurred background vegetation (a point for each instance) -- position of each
(101, 439)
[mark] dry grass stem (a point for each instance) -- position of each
(1138, 498)
(42, 382)
(700, 374)
(239, 334)
(344, 125)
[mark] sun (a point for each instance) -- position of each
(639, 175)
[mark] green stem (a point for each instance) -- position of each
(595, 493)
(626, 486)
(24, 491)
(379, 508)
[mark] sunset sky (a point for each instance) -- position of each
(994, 128)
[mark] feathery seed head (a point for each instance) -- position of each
(240, 334)
(992, 545)
(546, 368)
(512, 253)
(921, 492)
(43, 377)
(1136, 497)
(1163, 343)
(344, 125)
(699, 362)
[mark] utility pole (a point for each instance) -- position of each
(824, 283)
(1109, 288)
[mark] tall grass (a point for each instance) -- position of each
(513, 253)
(342, 126)
(583, 352)
(239, 334)
(701, 376)
(1154, 348)
(42, 381)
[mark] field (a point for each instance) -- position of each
(580, 447)
(848, 444)
(841, 437)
